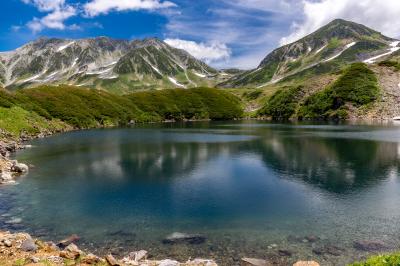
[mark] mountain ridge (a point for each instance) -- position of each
(339, 41)
(95, 62)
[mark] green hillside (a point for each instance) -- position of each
(54, 108)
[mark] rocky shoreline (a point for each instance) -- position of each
(10, 169)
(22, 249)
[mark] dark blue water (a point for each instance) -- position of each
(250, 188)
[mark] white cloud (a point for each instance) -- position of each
(97, 7)
(207, 52)
(46, 5)
(58, 12)
(379, 15)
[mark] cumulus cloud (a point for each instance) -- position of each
(379, 15)
(98, 7)
(58, 12)
(207, 52)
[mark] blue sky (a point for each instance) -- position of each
(224, 33)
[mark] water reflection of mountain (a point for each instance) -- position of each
(334, 164)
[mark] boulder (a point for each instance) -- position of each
(73, 250)
(5, 177)
(111, 260)
(181, 238)
(91, 259)
(65, 242)
(254, 262)
(168, 263)
(369, 245)
(28, 245)
(19, 167)
(7, 243)
(306, 263)
(135, 256)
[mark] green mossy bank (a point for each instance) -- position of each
(356, 87)
(53, 108)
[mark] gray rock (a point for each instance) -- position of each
(180, 238)
(135, 256)
(6, 177)
(19, 167)
(7, 243)
(370, 245)
(28, 245)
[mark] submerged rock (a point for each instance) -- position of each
(306, 263)
(201, 262)
(135, 257)
(312, 238)
(369, 245)
(285, 253)
(168, 262)
(181, 238)
(328, 250)
(66, 242)
(254, 262)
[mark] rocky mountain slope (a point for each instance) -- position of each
(116, 65)
(338, 43)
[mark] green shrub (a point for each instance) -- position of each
(282, 104)
(358, 86)
(381, 260)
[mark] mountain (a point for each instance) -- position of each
(116, 65)
(339, 42)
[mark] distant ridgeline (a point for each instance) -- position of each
(53, 108)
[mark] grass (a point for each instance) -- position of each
(52, 108)
(16, 121)
(381, 260)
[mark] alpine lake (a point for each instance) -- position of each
(282, 192)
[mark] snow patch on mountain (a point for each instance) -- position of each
(393, 49)
(63, 47)
(31, 78)
(337, 55)
(320, 49)
(176, 82)
(199, 75)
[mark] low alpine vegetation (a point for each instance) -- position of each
(357, 86)
(282, 105)
(33, 109)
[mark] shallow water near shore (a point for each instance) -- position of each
(251, 188)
